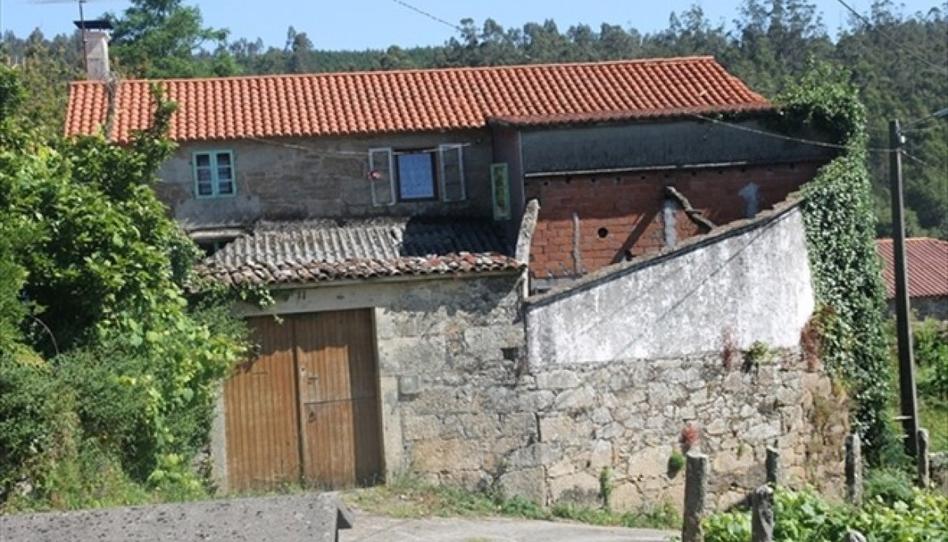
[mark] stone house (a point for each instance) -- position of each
(507, 276)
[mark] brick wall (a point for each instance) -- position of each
(620, 215)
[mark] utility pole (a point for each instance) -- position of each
(908, 401)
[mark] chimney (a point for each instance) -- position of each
(95, 37)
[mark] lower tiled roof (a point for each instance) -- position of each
(324, 250)
(927, 263)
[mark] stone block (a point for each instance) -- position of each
(557, 380)
(583, 398)
(579, 488)
(421, 427)
(564, 429)
(648, 462)
(418, 355)
(409, 385)
(439, 455)
(527, 483)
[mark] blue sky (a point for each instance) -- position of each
(361, 24)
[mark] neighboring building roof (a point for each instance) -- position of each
(325, 250)
(414, 100)
(927, 262)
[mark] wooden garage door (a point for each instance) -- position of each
(307, 406)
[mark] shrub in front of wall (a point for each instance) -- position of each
(33, 421)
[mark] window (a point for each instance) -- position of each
(416, 178)
(418, 175)
(214, 174)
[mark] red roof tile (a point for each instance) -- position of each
(415, 100)
(927, 262)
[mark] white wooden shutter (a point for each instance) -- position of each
(451, 159)
(382, 176)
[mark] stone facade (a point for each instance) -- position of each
(295, 178)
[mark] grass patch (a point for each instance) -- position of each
(933, 415)
(410, 497)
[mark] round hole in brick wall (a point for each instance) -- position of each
(602, 233)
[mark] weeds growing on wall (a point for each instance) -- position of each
(840, 228)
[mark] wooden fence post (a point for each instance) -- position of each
(762, 514)
(853, 469)
(773, 466)
(696, 488)
(924, 467)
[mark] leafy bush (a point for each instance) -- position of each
(931, 355)
(31, 409)
(805, 517)
(889, 485)
(93, 278)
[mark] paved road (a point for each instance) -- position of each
(369, 528)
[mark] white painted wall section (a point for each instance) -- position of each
(752, 281)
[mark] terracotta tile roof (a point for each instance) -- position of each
(324, 250)
(927, 260)
(415, 100)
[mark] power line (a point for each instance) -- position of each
(786, 137)
(895, 43)
(431, 16)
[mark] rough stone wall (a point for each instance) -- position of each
(548, 436)
(620, 215)
(285, 179)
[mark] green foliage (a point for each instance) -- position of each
(31, 405)
(889, 484)
(676, 462)
(931, 356)
(606, 485)
(662, 515)
(805, 517)
(96, 282)
(164, 38)
(407, 495)
(758, 354)
(837, 211)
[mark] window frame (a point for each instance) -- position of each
(215, 180)
(436, 193)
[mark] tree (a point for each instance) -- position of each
(162, 38)
(94, 276)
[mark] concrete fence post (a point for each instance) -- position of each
(696, 488)
(853, 469)
(773, 466)
(924, 460)
(762, 514)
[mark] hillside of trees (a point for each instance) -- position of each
(898, 60)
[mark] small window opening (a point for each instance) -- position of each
(602, 233)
